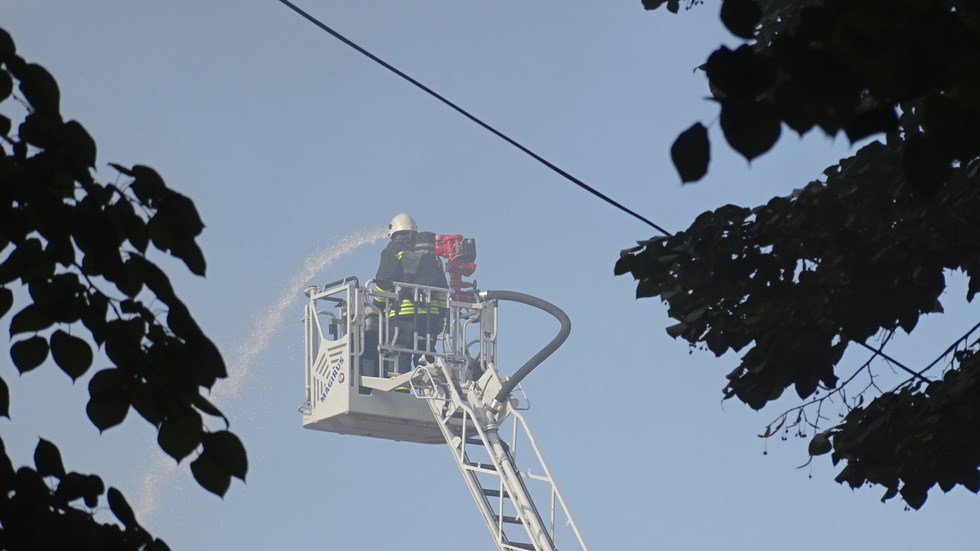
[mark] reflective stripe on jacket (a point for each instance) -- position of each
(400, 263)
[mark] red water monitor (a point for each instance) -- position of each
(460, 255)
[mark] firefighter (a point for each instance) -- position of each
(416, 319)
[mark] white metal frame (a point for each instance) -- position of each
(447, 402)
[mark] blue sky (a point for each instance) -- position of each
(288, 142)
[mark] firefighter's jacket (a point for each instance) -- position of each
(401, 263)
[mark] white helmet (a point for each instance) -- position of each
(401, 222)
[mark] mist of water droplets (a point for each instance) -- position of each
(265, 326)
(269, 322)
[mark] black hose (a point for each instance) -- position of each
(566, 328)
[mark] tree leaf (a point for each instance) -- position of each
(647, 287)
(76, 485)
(181, 434)
(914, 495)
(187, 250)
(72, 354)
(970, 479)
(25, 261)
(180, 213)
(691, 153)
(79, 144)
(6, 300)
(40, 129)
(130, 278)
(874, 121)
(31, 319)
(124, 340)
(677, 329)
(94, 316)
(181, 323)
(227, 451)
(210, 364)
(108, 398)
(120, 507)
(144, 400)
(121, 169)
(740, 74)
(39, 88)
(7, 48)
(47, 459)
(155, 279)
(106, 413)
(58, 297)
(751, 127)
(161, 234)
(6, 88)
(147, 185)
(136, 232)
(741, 17)
(29, 353)
(206, 406)
(4, 399)
(820, 444)
(28, 483)
(210, 476)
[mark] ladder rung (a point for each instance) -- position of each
(478, 465)
(494, 492)
(475, 440)
(521, 545)
(510, 519)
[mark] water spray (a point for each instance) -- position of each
(264, 328)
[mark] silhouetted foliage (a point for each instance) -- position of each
(861, 254)
(851, 66)
(80, 249)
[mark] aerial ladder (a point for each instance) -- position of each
(455, 394)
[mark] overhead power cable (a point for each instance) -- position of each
(466, 114)
(919, 374)
(900, 365)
